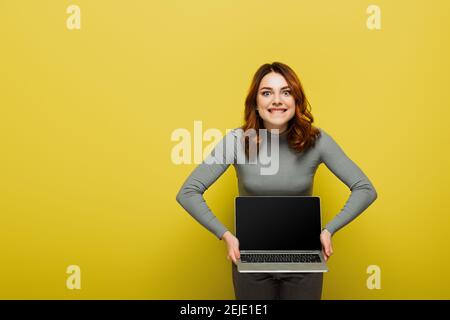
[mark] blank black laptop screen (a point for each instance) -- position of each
(278, 223)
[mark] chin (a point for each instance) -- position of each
(278, 121)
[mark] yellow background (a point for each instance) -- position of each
(86, 116)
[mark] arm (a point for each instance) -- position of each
(363, 192)
(190, 196)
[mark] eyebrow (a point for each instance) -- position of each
(286, 87)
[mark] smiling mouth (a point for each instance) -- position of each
(277, 110)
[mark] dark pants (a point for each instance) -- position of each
(277, 286)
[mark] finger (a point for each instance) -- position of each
(324, 255)
(237, 253)
(232, 256)
(328, 249)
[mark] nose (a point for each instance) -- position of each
(276, 100)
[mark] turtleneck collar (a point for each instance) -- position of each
(280, 135)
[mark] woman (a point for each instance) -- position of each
(276, 102)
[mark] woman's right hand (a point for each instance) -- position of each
(232, 246)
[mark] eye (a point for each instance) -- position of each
(287, 93)
(264, 93)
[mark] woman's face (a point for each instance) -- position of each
(276, 105)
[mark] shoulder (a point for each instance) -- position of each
(327, 146)
(231, 134)
(324, 141)
(230, 137)
(234, 133)
(323, 138)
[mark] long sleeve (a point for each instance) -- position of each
(363, 192)
(190, 196)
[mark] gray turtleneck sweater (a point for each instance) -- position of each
(294, 176)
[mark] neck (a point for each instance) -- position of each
(281, 130)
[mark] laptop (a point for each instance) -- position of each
(279, 234)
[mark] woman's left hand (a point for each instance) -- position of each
(325, 239)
